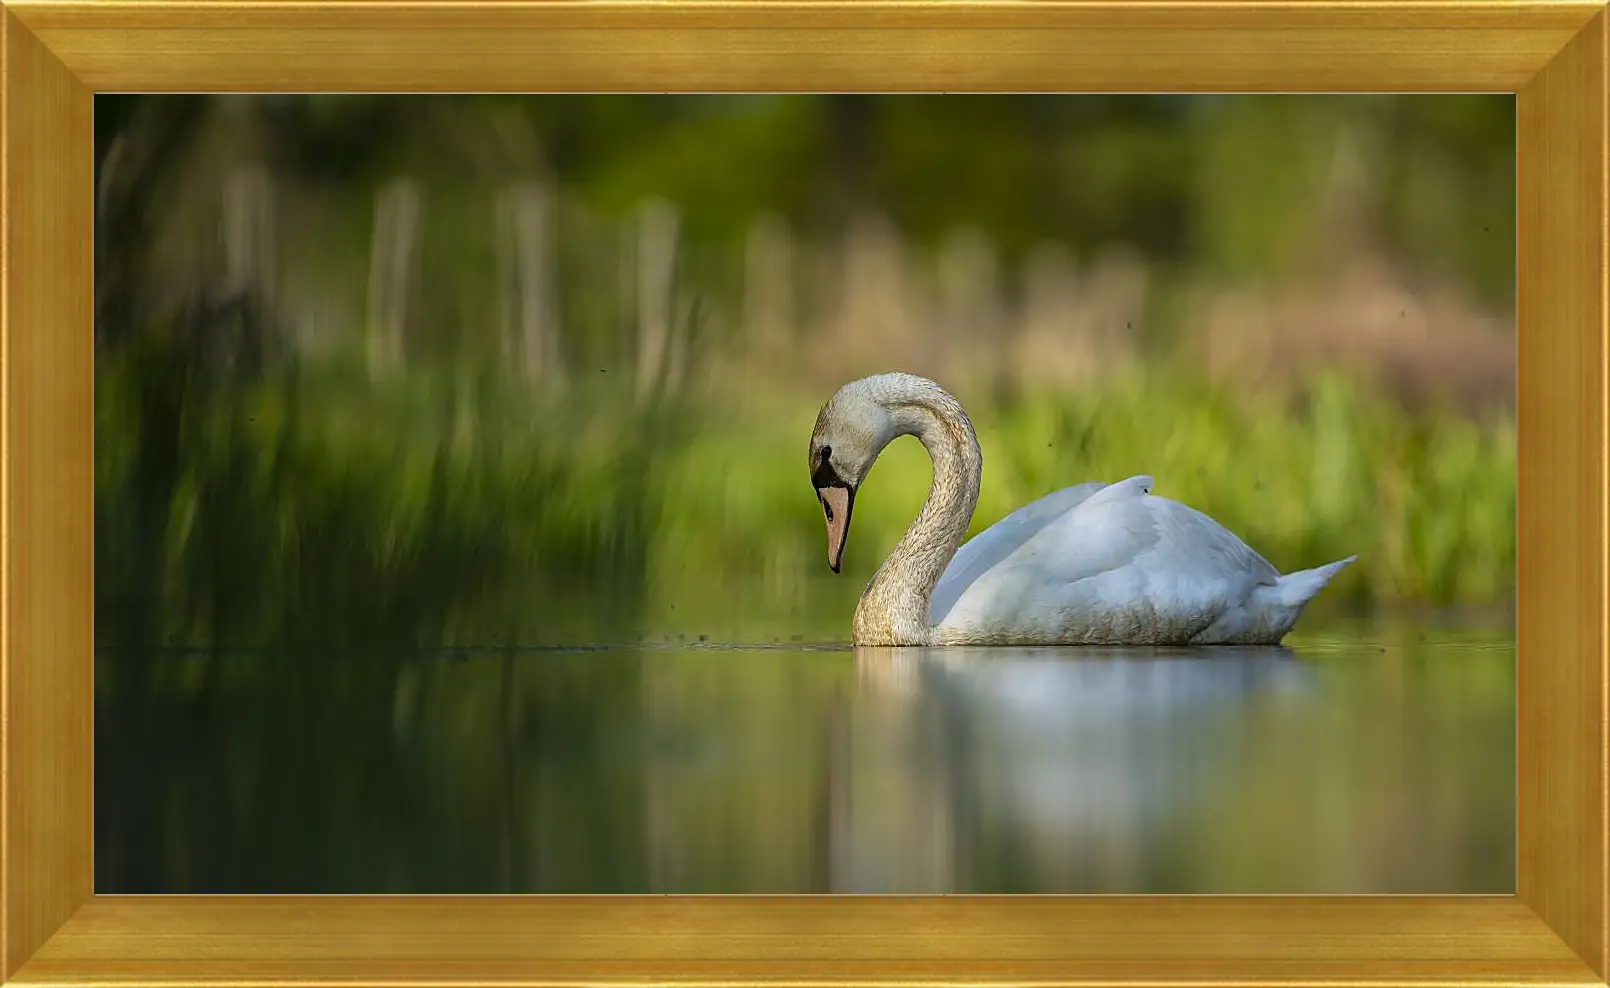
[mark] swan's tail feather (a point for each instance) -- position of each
(1297, 589)
(1275, 607)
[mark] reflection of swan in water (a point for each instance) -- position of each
(1060, 686)
(1110, 734)
(1078, 753)
(1059, 683)
(890, 672)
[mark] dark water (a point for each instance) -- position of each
(1355, 762)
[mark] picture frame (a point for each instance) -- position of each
(58, 53)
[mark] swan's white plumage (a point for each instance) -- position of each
(1101, 562)
(1095, 563)
(990, 547)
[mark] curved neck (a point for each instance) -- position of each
(894, 607)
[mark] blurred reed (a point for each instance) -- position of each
(508, 416)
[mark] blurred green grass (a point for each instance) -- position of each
(452, 507)
(1112, 286)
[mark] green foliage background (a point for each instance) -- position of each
(240, 500)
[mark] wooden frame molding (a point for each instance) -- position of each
(58, 53)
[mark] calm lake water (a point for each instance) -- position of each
(1352, 761)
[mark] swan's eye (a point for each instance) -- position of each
(826, 452)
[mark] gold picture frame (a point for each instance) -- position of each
(58, 53)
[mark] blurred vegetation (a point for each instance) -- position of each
(254, 475)
(393, 524)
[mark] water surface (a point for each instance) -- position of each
(1354, 762)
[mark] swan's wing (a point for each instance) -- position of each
(1216, 545)
(1109, 550)
(995, 543)
(1127, 525)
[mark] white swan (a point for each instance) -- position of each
(1096, 563)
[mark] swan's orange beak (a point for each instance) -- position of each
(837, 501)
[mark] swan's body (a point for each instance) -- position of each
(1091, 564)
(1104, 563)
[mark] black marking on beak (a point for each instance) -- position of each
(826, 476)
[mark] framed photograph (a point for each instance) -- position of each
(409, 573)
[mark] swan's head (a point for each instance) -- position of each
(851, 430)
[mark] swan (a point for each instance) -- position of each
(1092, 564)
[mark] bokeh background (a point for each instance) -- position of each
(379, 377)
